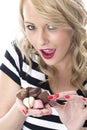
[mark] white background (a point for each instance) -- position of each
(9, 22)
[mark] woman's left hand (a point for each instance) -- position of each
(73, 113)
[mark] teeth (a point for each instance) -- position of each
(48, 51)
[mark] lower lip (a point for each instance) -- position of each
(48, 56)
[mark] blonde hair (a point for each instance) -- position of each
(69, 14)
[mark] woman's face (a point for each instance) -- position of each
(52, 43)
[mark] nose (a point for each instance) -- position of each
(42, 37)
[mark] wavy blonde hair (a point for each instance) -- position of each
(69, 14)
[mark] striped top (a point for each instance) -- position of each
(15, 65)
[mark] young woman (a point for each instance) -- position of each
(51, 54)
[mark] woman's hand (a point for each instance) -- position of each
(46, 110)
(40, 112)
(33, 101)
(73, 113)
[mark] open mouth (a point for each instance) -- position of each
(48, 53)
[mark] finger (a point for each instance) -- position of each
(77, 100)
(56, 105)
(21, 106)
(61, 95)
(75, 97)
(39, 112)
(33, 112)
(47, 106)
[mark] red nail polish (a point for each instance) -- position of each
(50, 97)
(67, 96)
(24, 111)
(56, 96)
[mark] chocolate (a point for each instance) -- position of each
(34, 92)
(23, 93)
(43, 96)
(26, 102)
(31, 101)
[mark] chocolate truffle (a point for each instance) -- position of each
(34, 92)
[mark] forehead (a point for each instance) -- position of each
(32, 15)
(29, 12)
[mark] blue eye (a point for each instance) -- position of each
(51, 27)
(31, 27)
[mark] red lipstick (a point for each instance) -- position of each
(48, 53)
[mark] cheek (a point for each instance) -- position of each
(64, 41)
(60, 38)
(31, 38)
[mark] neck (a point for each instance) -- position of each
(62, 79)
(65, 66)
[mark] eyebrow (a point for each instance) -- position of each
(28, 22)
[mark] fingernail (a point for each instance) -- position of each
(47, 112)
(67, 96)
(55, 96)
(50, 97)
(24, 111)
(84, 99)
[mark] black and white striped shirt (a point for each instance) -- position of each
(14, 64)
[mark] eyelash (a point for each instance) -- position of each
(51, 27)
(31, 27)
